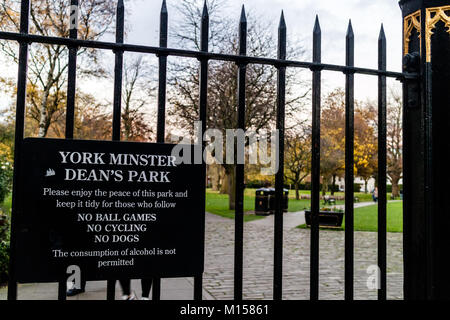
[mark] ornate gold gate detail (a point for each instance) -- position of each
(433, 16)
(411, 22)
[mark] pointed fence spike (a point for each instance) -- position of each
(350, 29)
(205, 13)
(282, 24)
(243, 33)
(382, 35)
(317, 42)
(382, 50)
(163, 25)
(282, 38)
(120, 10)
(120, 21)
(350, 46)
(164, 7)
(243, 16)
(317, 25)
(204, 32)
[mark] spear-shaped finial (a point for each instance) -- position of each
(350, 30)
(350, 46)
(164, 7)
(382, 36)
(317, 26)
(120, 21)
(205, 13)
(163, 25)
(317, 41)
(243, 16)
(243, 32)
(382, 49)
(282, 38)
(204, 32)
(282, 24)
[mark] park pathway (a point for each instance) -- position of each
(258, 260)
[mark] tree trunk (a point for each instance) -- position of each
(232, 191)
(395, 188)
(215, 176)
(224, 188)
(297, 194)
(324, 186)
(229, 186)
(333, 185)
(43, 122)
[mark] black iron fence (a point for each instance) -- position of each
(242, 60)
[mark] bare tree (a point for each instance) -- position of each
(136, 96)
(47, 76)
(93, 119)
(394, 136)
(222, 87)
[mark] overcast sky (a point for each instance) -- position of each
(366, 16)
(142, 18)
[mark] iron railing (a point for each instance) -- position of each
(242, 60)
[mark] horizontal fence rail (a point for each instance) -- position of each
(242, 60)
(32, 38)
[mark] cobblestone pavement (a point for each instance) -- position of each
(258, 265)
(258, 262)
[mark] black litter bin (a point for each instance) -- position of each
(272, 200)
(262, 202)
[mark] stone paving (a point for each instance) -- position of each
(258, 265)
(258, 261)
(171, 289)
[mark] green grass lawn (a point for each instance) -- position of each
(366, 218)
(6, 205)
(217, 203)
(363, 197)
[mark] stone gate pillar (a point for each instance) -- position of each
(426, 49)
